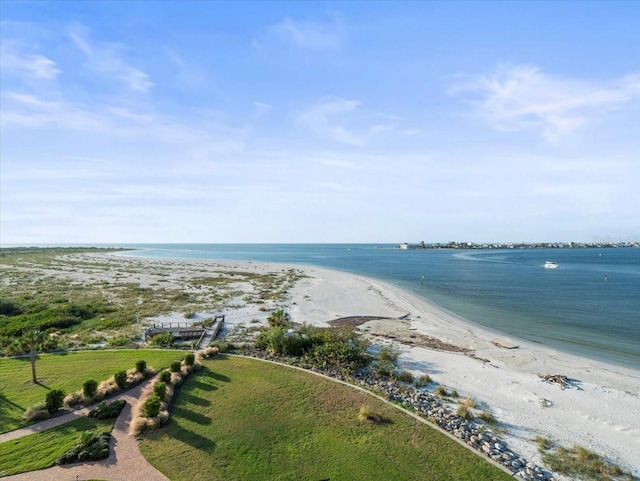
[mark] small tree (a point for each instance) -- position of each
(54, 400)
(160, 389)
(165, 376)
(141, 366)
(151, 407)
(162, 340)
(121, 379)
(189, 359)
(175, 366)
(89, 388)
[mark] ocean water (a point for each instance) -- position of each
(571, 308)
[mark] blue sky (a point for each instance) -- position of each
(319, 121)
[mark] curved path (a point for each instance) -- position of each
(124, 462)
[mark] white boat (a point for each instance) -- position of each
(550, 265)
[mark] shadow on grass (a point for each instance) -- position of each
(192, 439)
(218, 377)
(191, 399)
(198, 383)
(183, 413)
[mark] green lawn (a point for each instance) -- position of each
(242, 419)
(63, 371)
(40, 450)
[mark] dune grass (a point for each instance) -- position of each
(40, 450)
(243, 419)
(63, 371)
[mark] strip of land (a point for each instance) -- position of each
(596, 411)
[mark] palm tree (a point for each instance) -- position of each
(278, 318)
(34, 336)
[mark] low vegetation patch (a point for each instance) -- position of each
(245, 419)
(91, 446)
(41, 450)
(579, 463)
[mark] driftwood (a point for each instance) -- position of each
(560, 380)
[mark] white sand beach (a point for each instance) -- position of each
(599, 412)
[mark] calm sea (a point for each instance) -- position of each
(571, 308)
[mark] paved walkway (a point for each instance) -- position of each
(125, 463)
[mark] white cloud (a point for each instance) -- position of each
(343, 121)
(521, 98)
(15, 60)
(107, 58)
(311, 36)
(261, 109)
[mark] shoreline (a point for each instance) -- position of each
(597, 415)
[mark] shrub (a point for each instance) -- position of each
(454, 394)
(54, 400)
(405, 376)
(121, 379)
(162, 340)
(185, 370)
(165, 376)
(91, 447)
(37, 412)
(119, 341)
(175, 366)
(223, 346)
(387, 354)
(73, 399)
(163, 418)
(189, 359)
(141, 366)
(441, 390)
(160, 389)
(488, 417)
(365, 414)
(464, 408)
(107, 411)
(151, 407)
(89, 388)
(107, 388)
(423, 380)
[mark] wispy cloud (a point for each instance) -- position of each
(518, 98)
(311, 36)
(330, 118)
(260, 109)
(108, 58)
(16, 60)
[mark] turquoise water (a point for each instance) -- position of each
(571, 308)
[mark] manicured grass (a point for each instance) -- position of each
(40, 450)
(66, 372)
(243, 419)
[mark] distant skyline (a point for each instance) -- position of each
(328, 122)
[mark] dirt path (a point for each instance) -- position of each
(125, 462)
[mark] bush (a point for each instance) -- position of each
(441, 390)
(54, 400)
(108, 411)
(37, 412)
(119, 341)
(121, 379)
(73, 399)
(162, 340)
(141, 366)
(189, 359)
(388, 355)
(160, 389)
(223, 346)
(151, 407)
(422, 381)
(405, 376)
(175, 366)
(91, 447)
(89, 388)
(165, 377)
